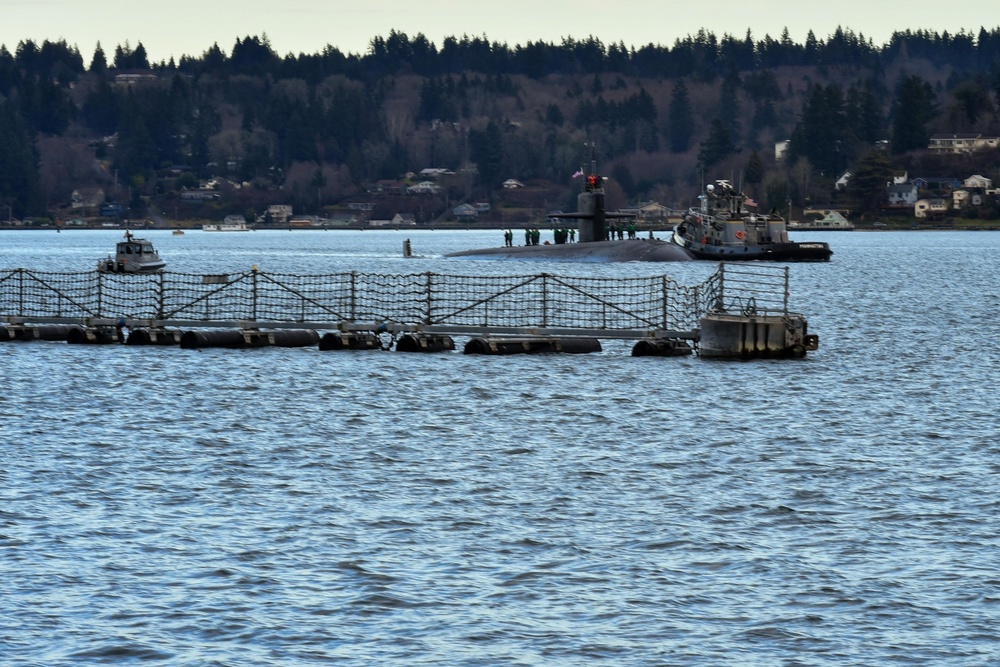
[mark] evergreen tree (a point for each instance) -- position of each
(972, 101)
(127, 58)
(135, 152)
(729, 102)
(868, 183)
(753, 172)
(778, 195)
(716, 147)
(622, 175)
(486, 150)
(820, 135)
(19, 163)
(99, 63)
(915, 107)
(863, 113)
(680, 121)
(554, 116)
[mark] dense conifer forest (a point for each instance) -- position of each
(321, 130)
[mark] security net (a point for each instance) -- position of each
(540, 300)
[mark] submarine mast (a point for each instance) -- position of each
(590, 211)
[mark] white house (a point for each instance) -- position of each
(780, 149)
(423, 188)
(962, 143)
(512, 183)
(930, 207)
(841, 183)
(435, 172)
(961, 198)
(978, 181)
(280, 213)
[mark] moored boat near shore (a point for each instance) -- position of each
(231, 223)
(831, 222)
(722, 227)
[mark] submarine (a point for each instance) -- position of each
(594, 244)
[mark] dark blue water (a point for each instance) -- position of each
(296, 507)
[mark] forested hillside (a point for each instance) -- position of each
(319, 130)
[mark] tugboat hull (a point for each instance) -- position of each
(772, 252)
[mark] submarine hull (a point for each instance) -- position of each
(630, 250)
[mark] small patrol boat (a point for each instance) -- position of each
(723, 228)
(132, 255)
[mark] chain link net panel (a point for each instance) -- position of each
(39, 294)
(541, 300)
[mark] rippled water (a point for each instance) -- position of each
(297, 507)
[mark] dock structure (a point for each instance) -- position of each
(740, 311)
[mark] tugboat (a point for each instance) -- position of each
(133, 255)
(722, 228)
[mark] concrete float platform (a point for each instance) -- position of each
(725, 336)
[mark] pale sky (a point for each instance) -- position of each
(184, 27)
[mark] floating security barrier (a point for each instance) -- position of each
(424, 343)
(23, 332)
(531, 345)
(662, 347)
(93, 336)
(243, 338)
(725, 336)
(154, 336)
(339, 340)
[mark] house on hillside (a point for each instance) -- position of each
(962, 198)
(512, 184)
(131, 78)
(279, 213)
(936, 183)
(87, 199)
(962, 143)
(841, 183)
(388, 186)
(930, 208)
(435, 172)
(648, 211)
(781, 149)
(902, 195)
(424, 188)
(978, 181)
(198, 195)
(465, 212)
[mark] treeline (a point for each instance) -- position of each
(322, 125)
